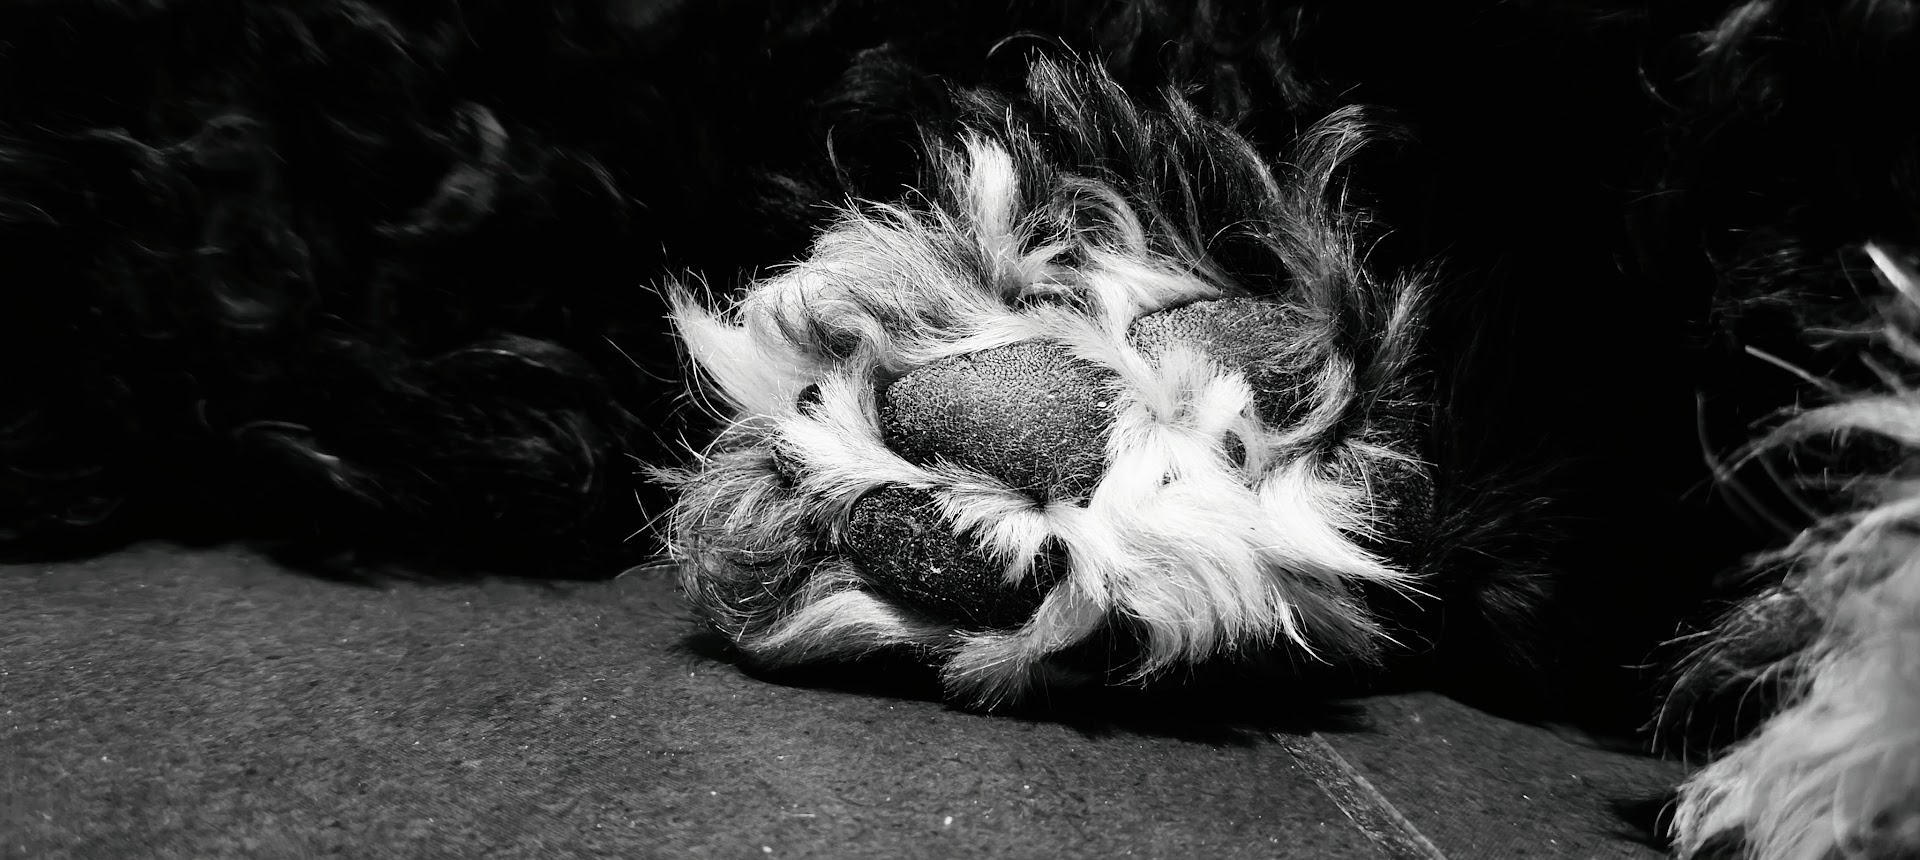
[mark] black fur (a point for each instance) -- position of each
(374, 274)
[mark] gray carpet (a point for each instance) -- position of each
(167, 702)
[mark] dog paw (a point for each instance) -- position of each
(1028, 409)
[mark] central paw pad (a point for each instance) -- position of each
(1028, 414)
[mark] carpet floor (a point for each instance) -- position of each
(208, 702)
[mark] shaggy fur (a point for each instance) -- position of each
(1229, 506)
(1836, 770)
(1813, 666)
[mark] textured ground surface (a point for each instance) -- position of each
(165, 702)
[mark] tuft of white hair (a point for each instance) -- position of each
(1836, 772)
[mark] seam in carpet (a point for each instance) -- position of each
(1364, 805)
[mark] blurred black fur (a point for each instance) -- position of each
(372, 275)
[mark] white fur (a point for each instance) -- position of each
(1837, 773)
